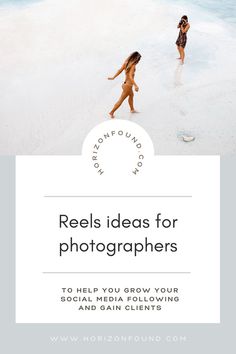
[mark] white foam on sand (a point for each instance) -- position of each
(56, 56)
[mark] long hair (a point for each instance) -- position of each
(133, 59)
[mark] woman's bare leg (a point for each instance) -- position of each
(182, 55)
(123, 96)
(178, 47)
(131, 101)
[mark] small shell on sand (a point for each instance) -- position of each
(188, 138)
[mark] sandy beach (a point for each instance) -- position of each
(56, 56)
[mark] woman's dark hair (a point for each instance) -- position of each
(133, 59)
(185, 18)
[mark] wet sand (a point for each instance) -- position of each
(56, 56)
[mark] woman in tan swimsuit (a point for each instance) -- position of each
(129, 66)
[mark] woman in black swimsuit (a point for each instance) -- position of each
(182, 38)
(129, 67)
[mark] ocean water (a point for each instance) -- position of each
(5, 3)
(225, 9)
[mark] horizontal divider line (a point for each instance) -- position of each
(116, 272)
(118, 196)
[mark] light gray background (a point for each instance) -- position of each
(200, 338)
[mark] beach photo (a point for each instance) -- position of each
(69, 65)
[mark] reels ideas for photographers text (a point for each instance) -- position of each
(134, 249)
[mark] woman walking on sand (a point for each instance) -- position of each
(129, 67)
(182, 38)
